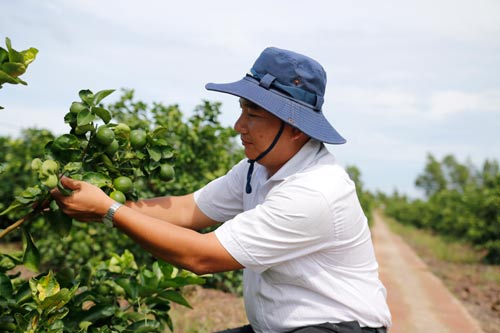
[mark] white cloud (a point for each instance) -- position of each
(447, 103)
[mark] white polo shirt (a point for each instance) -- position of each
(304, 241)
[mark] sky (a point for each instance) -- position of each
(405, 78)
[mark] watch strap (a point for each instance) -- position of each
(108, 217)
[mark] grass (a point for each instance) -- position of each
(439, 247)
(213, 310)
(433, 247)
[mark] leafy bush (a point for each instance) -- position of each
(462, 202)
(114, 296)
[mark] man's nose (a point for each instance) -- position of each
(239, 125)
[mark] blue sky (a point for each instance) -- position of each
(405, 78)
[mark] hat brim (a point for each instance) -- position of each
(312, 123)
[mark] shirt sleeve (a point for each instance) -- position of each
(293, 221)
(222, 198)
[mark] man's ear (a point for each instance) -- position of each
(299, 135)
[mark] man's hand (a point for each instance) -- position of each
(87, 202)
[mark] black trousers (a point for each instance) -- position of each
(344, 327)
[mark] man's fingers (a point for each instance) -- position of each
(69, 183)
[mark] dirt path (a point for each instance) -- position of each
(419, 301)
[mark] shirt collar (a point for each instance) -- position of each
(304, 157)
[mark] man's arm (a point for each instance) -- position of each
(199, 253)
(178, 210)
(173, 242)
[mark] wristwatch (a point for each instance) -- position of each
(108, 218)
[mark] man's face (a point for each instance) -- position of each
(257, 128)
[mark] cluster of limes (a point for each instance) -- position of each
(48, 171)
(120, 138)
(111, 156)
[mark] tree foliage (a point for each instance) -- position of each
(136, 298)
(366, 198)
(461, 201)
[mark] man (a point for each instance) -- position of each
(291, 215)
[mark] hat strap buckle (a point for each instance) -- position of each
(266, 81)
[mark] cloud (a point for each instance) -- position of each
(447, 103)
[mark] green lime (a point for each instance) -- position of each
(103, 290)
(105, 135)
(112, 147)
(122, 130)
(76, 107)
(123, 184)
(118, 196)
(167, 172)
(36, 164)
(50, 181)
(49, 167)
(138, 138)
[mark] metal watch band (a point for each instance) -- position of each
(108, 218)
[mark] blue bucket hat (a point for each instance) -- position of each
(289, 85)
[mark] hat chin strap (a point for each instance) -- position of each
(264, 153)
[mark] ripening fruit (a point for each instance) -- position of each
(118, 196)
(50, 181)
(36, 164)
(122, 130)
(105, 135)
(103, 290)
(112, 147)
(167, 172)
(138, 138)
(49, 167)
(123, 184)
(76, 107)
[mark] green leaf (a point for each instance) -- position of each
(29, 55)
(167, 153)
(87, 97)
(14, 68)
(31, 258)
(72, 167)
(7, 262)
(60, 222)
(32, 192)
(84, 117)
(84, 129)
(100, 95)
(160, 132)
(4, 55)
(102, 113)
(6, 78)
(46, 286)
(174, 296)
(97, 179)
(131, 287)
(149, 282)
(143, 326)
(58, 300)
(97, 313)
(14, 56)
(23, 294)
(13, 206)
(155, 153)
(66, 142)
(5, 286)
(119, 264)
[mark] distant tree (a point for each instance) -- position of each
(433, 179)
